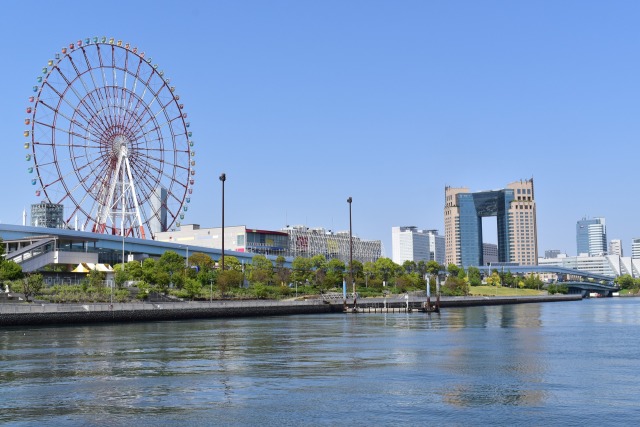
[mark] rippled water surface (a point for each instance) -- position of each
(563, 363)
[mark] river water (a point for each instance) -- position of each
(560, 363)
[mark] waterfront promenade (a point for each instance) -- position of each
(47, 314)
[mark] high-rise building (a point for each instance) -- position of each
(635, 248)
(158, 203)
(515, 210)
(591, 236)
(411, 244)
(551, 253)
(615, 247)
(489, 253)
(49, 215)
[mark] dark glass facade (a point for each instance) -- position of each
(475, 206)
(267, 243)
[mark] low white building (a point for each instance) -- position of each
(408, 243)
(609, 265)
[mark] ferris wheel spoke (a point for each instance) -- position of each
(133, 96)
(90, 69)
(96, 93)
(56, 111)
(85, 86)
(157, 128)
(61, 96)
(105, 86)
(50, 126)
(159, 171)
(70, 86)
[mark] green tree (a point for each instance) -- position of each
(494, 279)
(282, 273)
(96, 279)
(10, 270)
(358, 271)
(228, 279)
(143, 289)
(232, 263)
(508, 279)
(625, 281)
(455, 286)
(193, 288)
(134, 269)
(149, 271)
(473, 273)
(453, 270)
(335, 273)
(302, 269)
(32, 285)
(433, 267)
(422, 268)
(409, 266)
(369, 271)
(202, 261)
(387, 269)
(532, 281)
(120, 275)
(261, 270)
(172, 263)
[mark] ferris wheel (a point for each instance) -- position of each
(108, 140)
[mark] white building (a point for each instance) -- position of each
(609, 265)
(591, 236)
(408, 243)
(615, 247)
(635, 248)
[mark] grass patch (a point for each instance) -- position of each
(502, 291)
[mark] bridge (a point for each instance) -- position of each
(587, 288)
(586, 284)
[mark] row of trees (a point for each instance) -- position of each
(198, 277)
(628, 283)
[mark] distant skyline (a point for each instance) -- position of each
(304, 104)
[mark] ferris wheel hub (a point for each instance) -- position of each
(120, 145)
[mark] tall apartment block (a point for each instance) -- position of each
(591, 236)
(615, 247)
(411, 244)
(48, 215)
(515, 210)
(635, 248)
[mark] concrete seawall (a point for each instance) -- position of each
(50, 314)
(47, 314)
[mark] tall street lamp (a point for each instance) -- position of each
(223, 178)
(349, 200)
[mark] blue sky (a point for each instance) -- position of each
(305, 103)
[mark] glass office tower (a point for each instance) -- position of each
(514, 209)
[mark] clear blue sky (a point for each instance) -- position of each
(305, 103)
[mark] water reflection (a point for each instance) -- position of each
(449, 367)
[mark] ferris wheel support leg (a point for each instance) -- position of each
(107, 207)
(134, 196)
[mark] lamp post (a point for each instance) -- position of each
(349, 200)
(223, 178)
